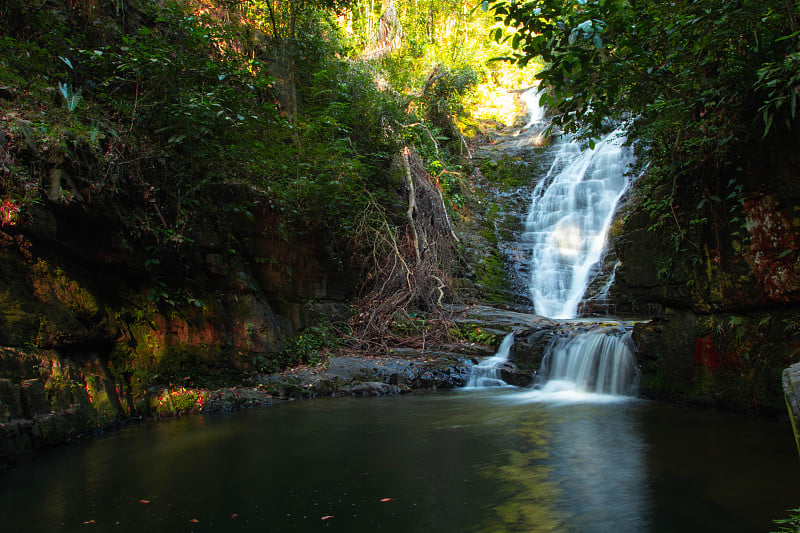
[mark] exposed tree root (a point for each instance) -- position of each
(409, 266)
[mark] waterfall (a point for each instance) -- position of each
(532, 134)
(487, 372)
(567, 224)
(566, 232)
(593, 362)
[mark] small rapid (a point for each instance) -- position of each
(488, 372)
(597, 366)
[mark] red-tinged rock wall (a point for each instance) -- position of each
(772, 250)
(95, 322)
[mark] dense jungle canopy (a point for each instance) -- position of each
(708, 87)
(158, 102)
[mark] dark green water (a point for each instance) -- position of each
(481, 461)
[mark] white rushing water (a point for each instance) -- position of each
(568, 221)
(593, 362)
(566, 233)
(592, 367)
(487, 372)
(532, 134)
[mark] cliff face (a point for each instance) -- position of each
(726, 298)
(93, 321)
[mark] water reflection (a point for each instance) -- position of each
(577, 468)
(528, 496)
(473, 461)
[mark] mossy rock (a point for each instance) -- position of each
(730, 361)
(10, 398)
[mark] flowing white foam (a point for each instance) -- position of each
(593, 367)
(487, 372)
(562, 393)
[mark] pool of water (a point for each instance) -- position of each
(480, 461)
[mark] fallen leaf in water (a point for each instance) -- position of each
(144, 501)
(387, 499)
(327, 517)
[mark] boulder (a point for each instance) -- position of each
(514, 375)
(372, 388)
(791, 391)
(10, 398)
(33, 399)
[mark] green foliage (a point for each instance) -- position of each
(779, 81)
(410, 324)
(164, 113)
(474, 333)
(510, 172)
(312, 345)
(704, 85)
(790, 524)
(491, 275)
(691, 65)
(183, 400)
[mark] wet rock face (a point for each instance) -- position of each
(738, 267)
(530, 347)
(729, 361)
(33, 399)
(772, 251)
(91, 318)
(67, 273)
(10, 404)
(513, 375)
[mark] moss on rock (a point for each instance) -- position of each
(731, 361)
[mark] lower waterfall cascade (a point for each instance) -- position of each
(592, 362)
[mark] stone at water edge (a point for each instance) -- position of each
(791, 390)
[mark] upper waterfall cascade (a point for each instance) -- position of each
(571, 211)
